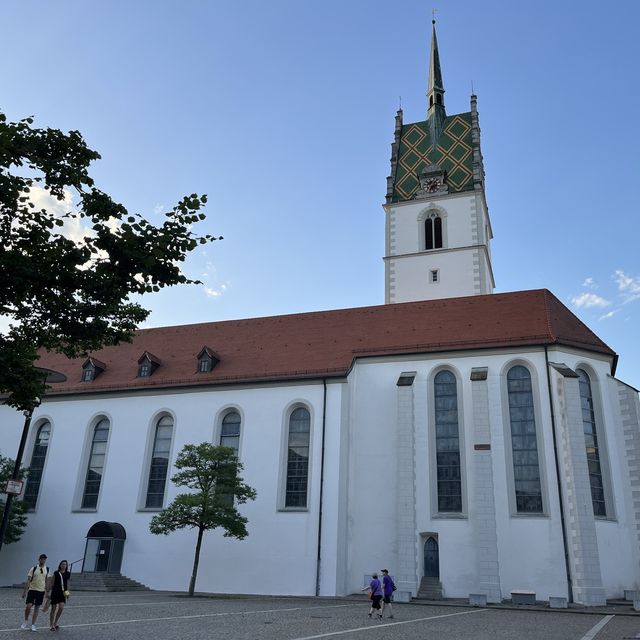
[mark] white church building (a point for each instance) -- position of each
(471, 442)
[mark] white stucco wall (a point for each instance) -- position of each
(463, 262)
(359, 514)
(280, 543)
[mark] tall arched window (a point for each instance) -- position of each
(524, 444)
(230, 431)
(36, 466)
(433, 232)
(449, 474)
(95, 466)
(591, 443)
(298, 458)
(159, 463)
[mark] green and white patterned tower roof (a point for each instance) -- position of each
(450, 142)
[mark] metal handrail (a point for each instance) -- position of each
(74, 562)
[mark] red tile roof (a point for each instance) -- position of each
(325, 343)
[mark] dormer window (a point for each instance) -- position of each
(147, 364)
(91, 369)
(207, 360)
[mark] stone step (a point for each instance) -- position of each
(104, 582)
(430, 589)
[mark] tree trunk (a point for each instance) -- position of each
(196, 560)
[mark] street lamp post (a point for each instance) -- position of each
(50, 376)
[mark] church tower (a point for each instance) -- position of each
(437, 231)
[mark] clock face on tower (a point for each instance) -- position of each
(433, 184)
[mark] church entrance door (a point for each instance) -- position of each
(431, 558)
(104, 549)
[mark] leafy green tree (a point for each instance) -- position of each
(17, 516)
(73, 295)
(213, 475)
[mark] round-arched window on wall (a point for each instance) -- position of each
(524, 444)
(95, 466)
(449, 472)
(36, 466)
(159, 463)
(230, 431)
(298, 458)
(591, 443)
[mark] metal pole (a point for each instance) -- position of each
(16, 474)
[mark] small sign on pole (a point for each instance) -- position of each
(14, 487)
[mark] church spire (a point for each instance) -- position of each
(435, 92)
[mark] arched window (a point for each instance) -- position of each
(449, 475)
(159, 463)
(36, 466)
(95, 466)
(230, 431)
(524, 445)
(298, 458)
(433, 232)
(591, 443)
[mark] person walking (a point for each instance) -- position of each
(34, 590)
(388, 587)
(59, 594)
(375, 593)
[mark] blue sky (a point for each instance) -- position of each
(283, 113)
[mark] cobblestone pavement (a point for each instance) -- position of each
(167, 616)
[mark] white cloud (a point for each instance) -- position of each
(589, 300)
(628, 286)
(215, 293)
(589, 283)
(158, 209)
(609, 314)
(73, 227)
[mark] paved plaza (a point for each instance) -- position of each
(166, 616)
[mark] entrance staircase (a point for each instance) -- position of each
(104, 582)
(430, 589)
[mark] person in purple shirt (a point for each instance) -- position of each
(375, 589)
(387, 592)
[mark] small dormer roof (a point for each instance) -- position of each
(95, 363)
(208, 352)
(147, 355)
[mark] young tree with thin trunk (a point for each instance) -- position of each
(213, 475)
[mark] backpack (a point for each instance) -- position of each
(393, 586)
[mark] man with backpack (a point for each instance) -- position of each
(388, 587)
(34, 591)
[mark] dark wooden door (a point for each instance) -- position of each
(431, 560)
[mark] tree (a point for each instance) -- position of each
(17, 516)
(73, 295)
(213, 475)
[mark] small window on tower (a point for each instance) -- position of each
(434, 275)
(439, 99)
